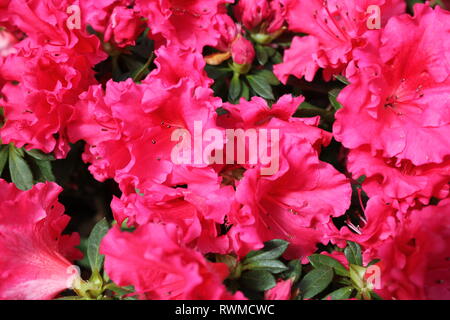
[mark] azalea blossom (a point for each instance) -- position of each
(334, 29)
(153, 260)
(35, 257)
(397, 102)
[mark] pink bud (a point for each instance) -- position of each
(242, 50)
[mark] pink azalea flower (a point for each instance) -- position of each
(399, 182)
(198, 213)
(38, 107)
(397, 102)
(34, 260)
(415, 261)
(185, 23)
(334, 29)
(152, 260)
(296, 204)
(129, 127)
(256, 113)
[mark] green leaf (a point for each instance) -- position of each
(4, 150)
(20, 172)
(258, 280)
(315, 282)
(93, 244)
(260, 86)
(45, 168)
(353, 253)
(268, 76)
(294, 272)
(273, 266)
(261, 54)
(340, 294)
(217, 72)
(121, 291)
(245, 91)
(38, 154)
(235, 88)
(320, 260)
(273, 249)
(277, 58)
(342, 79)
(332, 96)
(374, 261)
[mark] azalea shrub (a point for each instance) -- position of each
(222, 149)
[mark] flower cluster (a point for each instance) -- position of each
(143, 84)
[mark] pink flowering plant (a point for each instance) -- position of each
(224, 149)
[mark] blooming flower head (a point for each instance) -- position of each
(295, 204)
(398, 102)
(415, 261)
(137, 121)
(34, 260)
(185, 23)
(333, 28)
(153, 260)
(399, 182)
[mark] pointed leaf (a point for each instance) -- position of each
(319, 260)
(273, 266)
(20, 172)
(258, 280)
(93, 244)
(315, 282)
(340, 294)
(273, 249)
(353, 253)
(261, 87)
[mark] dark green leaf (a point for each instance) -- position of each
(245, 91)
(45, 168)
(217, 72)
(273, 249)
(258, 280)
(268, 76)
(277, 58)
(332, 96)
(20, 172)
(235, 88)
(38, 154)
(261, 54)
(340, 294)
(353, 253)
(315, 282)
(342, 79)
(93, 244)
(320, 260)
(273, 266)
(4, 150)
(374, 261)
(260, 86)
(294, 270)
